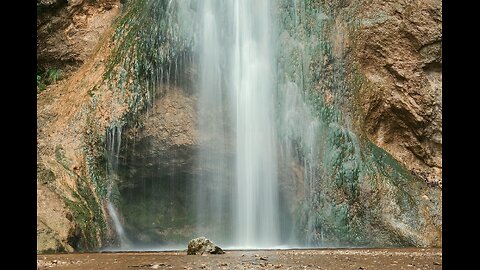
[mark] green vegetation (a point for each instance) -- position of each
(44, 175)
(48, 77)
(40, 84)
(85, 208)
(150, 46)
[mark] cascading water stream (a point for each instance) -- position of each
(124, 241)
(268, 158)
(114, 136)
(236, 98)
(257, 188)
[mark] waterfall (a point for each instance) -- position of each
(236, 105)
(253, 180)
(257, 202)
(113, 143)
(272, 160)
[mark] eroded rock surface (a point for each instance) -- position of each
(70, 215)
(68, 32)
(399, 48)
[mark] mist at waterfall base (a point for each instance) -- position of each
(245, 136)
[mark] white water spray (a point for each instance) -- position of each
(257, 202)
(236, 101)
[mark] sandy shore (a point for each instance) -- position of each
(325, 259)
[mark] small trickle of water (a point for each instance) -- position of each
(114, 137)
(124, 242)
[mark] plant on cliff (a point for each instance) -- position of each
(48, 77)
(40, 84)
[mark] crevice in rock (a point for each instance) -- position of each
(432, 67)
(394, 72)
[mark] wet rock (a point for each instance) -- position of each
(203, 245)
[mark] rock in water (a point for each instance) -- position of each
(202, 245)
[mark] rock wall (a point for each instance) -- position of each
(105, 87)
(399, 48)
(70, 215)
(156, 168)
(68, 32)
(369, 145)
(371, 72)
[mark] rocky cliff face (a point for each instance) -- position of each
(156, 168)
(70, 213)
(399, 48)
(104, 87)
(371, 70)
(68, 32)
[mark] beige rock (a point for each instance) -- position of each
(398, 46)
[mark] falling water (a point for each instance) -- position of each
(276, 165)
(254, 126)
(257, 203)
(212, 204)
(236, 101)
(113, 143)
(124, 241)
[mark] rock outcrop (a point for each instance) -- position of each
(68, 32)
(371, 71)
(157, 160)
(70, 213)
(399, 48)
(203, 245)
(92, 50)
(167, 138)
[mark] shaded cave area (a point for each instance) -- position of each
(154, 171)
(154, 201)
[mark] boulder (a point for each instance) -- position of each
(203, 245)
